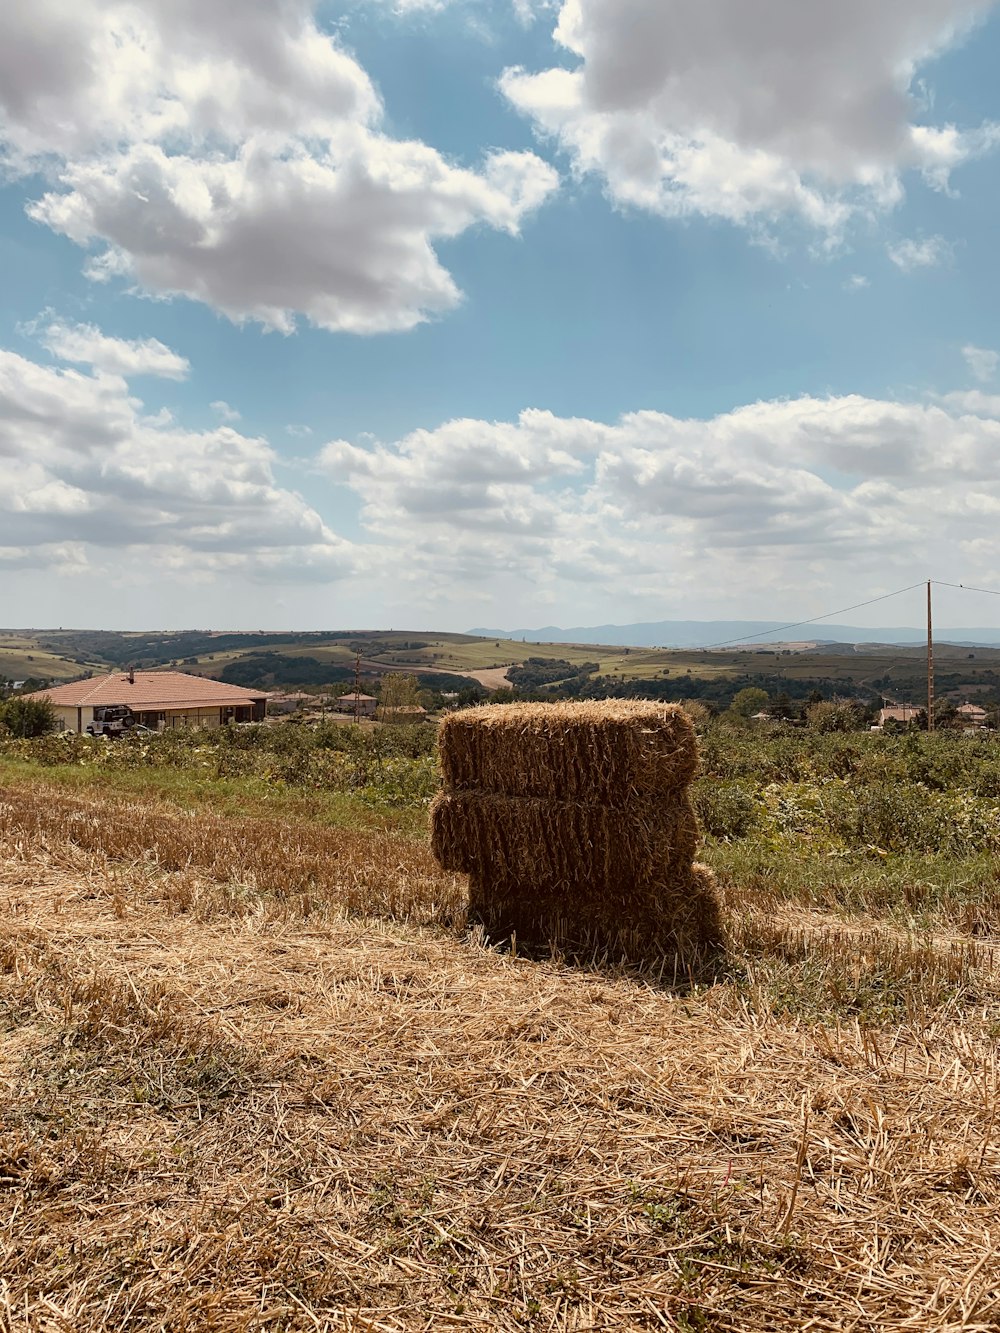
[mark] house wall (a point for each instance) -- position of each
(193, 717)
(210, 717)
(78, 719)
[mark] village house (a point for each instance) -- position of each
(359, 705)
(898, 713)
(405, 713)
(973, 716)
(159, 700)
(281, 702)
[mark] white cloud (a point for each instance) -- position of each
(857, 282)
(910, 254)
(525, 11)
(974, 402)
(233, 154)
(843, 491)
(530, 11)
(226, 413)
(87, 345)
(85, 472)
(767, 509)
(345, 241)
(982, 361)
(748, 113)
(418, 6)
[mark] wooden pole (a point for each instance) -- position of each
(930, 663)
(357, 687)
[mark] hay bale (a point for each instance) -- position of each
(562, 846)
(575, 826)
(677, 917)
(605, 753)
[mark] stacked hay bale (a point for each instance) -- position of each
(575, 826)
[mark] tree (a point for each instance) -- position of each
(28, 717)
(397, 691)
(834, 715)
(947, 717)
(749, 701)
(698, 712)
(469, 697)
(783, 706)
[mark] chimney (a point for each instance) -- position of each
(131, 675)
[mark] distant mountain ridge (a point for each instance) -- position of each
(708, 633)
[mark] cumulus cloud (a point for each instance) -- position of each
(232, 153)
(85, 472)
(750, 112)
(839, 489)
(651, 510)
(87, 345)
(982, 361)
(910, 254)
(222, 410)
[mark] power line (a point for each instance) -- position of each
(780, 629)
(966, 587)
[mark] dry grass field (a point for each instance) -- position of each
(258, 1076)
(23, 656)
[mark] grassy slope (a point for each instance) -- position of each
(461, 653)
(905, 667)
(23, 656)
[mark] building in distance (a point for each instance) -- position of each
(159, 700)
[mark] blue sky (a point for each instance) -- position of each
(443, 314)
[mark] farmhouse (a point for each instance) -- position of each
(159, 700)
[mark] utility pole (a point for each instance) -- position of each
(357, 686)
(930, 663)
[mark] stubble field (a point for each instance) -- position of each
(255, 1073)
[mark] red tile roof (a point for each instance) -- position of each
(899, 713)
(151, 690)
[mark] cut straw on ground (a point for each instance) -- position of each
(253, 1120)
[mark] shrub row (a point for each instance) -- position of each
(942, 761)
(881, 816)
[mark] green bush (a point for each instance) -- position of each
(27, 718)
(725, 810)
